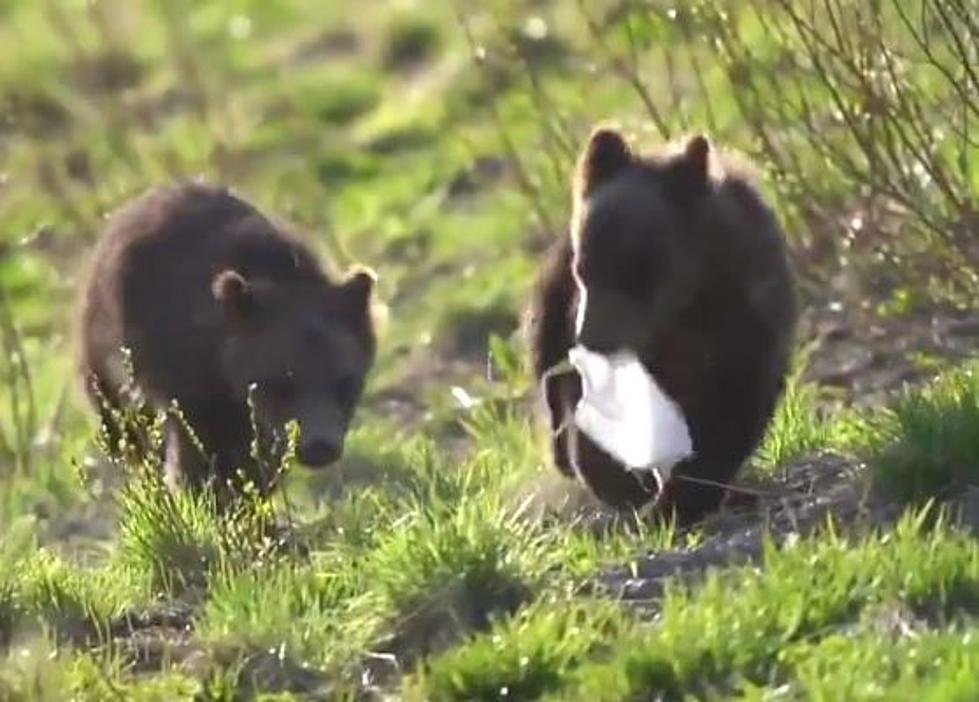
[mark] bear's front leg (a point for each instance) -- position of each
(696, 489)
(551, 336)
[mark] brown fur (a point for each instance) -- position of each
(684, 264)
(209, 297)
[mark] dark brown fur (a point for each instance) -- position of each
(210, 297)
(684, 264)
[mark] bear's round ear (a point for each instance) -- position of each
(234, 293)
(359, 283)
(692, 167)
(697, 155)
(605, 154)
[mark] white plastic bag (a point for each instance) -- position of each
(624, 411)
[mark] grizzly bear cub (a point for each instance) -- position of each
(234, 320)
(679, 260)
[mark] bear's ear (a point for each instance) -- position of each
(605, 154)
(235, 295)
(693, 165)
(359, 284)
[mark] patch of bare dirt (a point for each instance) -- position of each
(868, 356)
(149, 639)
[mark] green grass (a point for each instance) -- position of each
(435, 146)
(744, 626)
(929, 444)
(311, 613)
(42, 673)
(71, 600)
(816, 603)
(799, 427)
(524, 656)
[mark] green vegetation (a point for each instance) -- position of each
(929, 445)
(742, 629)
(443, 559)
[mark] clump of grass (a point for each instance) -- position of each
(480, 545)
(875, 666)
(171, 537)
(523, 656)
(222, 684)
(436, 487)
(431, 530)
(179, 540)
(927, 444)
(798, 427)
(42, 672)
(803, 424)
(75, 602)
(306, 612)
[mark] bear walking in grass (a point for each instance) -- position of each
(675, 257)
(233, 319)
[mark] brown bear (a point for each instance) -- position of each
(675, 256)
(234, 320)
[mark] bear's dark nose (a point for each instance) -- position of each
(319, 453)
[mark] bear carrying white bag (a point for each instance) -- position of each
(625, 412)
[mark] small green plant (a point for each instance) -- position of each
(43, 672)
(307, 612)
(799, 427)
(927, 444)
(170, 536)
(76, 603)
(177, 538)
(523, 656)
(479, 545)
(223, 684)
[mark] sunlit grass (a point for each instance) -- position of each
(442, 160)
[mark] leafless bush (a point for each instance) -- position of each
(863, 114)
(866, 113)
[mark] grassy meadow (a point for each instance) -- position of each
(444, 558)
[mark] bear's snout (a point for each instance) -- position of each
(319, 452)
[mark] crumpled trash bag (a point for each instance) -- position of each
(625, 412)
